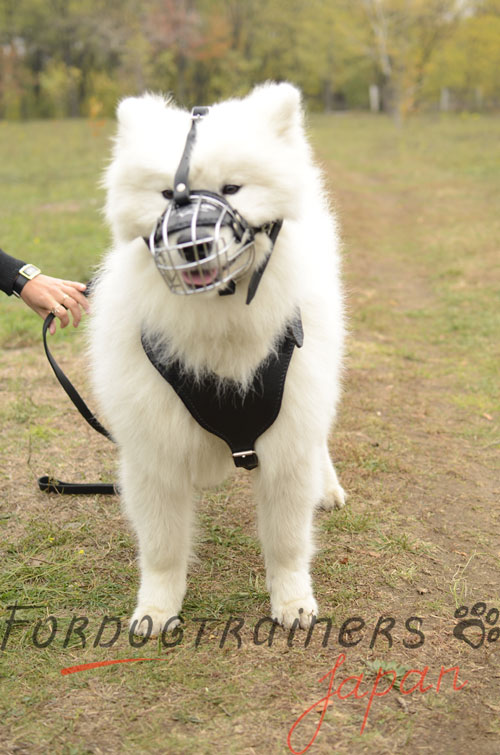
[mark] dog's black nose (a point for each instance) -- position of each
(190, 251)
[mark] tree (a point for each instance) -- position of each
(67, 57)
(403, 36)
(468, 64)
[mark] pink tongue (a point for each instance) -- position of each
(199, 278)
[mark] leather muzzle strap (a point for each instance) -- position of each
(181, 180)
(272, 232)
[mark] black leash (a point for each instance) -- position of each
(69, 387)
(51, 484)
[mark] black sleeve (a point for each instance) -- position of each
(9, 268)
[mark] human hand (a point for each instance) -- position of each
(45, 294)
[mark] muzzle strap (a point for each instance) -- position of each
(187, 244)
(272, 231)
(181, 180)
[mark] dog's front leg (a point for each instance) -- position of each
(287, 492)
(160, 507)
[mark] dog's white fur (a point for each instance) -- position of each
(258, 143)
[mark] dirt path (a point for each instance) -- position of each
(435, 469)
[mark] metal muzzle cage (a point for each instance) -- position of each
(201, 242)
(201, 245)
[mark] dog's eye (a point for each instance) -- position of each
(168, 194)
(231, 189)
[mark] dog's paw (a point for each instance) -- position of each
(302, 609)
(148, 621)
(335, 498)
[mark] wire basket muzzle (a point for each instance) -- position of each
(202, 245)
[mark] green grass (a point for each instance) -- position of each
(51, 206)
(416, 447)
(440, 185)
(347, 520)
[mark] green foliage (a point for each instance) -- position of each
(373, 668)
(469, 62)
(59, 86)
(78, 57)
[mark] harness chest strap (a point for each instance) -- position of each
(238, 420)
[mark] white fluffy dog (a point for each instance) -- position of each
(255, 151)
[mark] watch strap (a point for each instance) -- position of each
(22, 279)
(19, 284)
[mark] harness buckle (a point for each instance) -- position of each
(246, 459)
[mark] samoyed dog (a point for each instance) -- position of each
(224, 256)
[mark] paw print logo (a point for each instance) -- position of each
(474, 631)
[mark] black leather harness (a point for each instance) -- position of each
(222, 410)
(238, 419)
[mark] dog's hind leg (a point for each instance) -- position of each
(160, 508)
(334, 496)
(287, 492)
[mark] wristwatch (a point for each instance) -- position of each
(25, 274)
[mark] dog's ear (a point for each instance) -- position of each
(281, 106)
(127, 110)
(134, 110)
